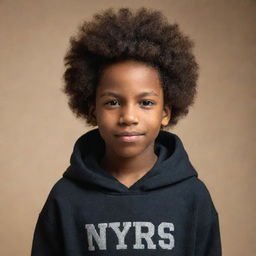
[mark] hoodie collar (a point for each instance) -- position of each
(172, 166)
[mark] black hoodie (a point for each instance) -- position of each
(168, 211)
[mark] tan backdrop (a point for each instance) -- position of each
(38, 130)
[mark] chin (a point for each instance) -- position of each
(128, 153)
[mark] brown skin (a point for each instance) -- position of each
(129, 98)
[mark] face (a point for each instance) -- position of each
(130, 108)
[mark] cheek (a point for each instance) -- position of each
(105, 118)
(156, 116)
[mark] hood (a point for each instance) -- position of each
(172, 166)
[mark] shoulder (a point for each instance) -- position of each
(60, 186)
(62, 190)
(58, 198)
(200, 190)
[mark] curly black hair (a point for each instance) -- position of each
(143, 35)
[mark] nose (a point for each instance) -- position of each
(128, 116)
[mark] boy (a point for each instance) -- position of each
(130, 188)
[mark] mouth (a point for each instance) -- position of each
(129, 136)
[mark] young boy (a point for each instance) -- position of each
(130, 188)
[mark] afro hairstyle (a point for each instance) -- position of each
(143, 35)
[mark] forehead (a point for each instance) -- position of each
(130, 77)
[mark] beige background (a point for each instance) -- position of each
(38, 130)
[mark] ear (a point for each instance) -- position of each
(166, 115)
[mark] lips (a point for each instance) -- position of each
(129, 136)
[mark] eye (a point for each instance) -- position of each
(112, 103)
(147, 103)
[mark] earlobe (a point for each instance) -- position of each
(166, 116)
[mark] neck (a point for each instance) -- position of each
(128, 170)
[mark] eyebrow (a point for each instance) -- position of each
(143, 94)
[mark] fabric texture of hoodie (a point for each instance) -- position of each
(168, 211)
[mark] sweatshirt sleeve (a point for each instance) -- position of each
(47, 239)
(208, 238)
(48, 236)
(208, 242)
